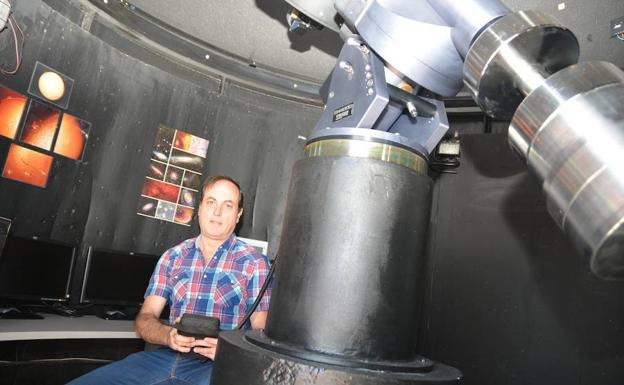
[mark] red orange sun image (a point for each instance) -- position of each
(71, 138)
(11, 107)
(27, 166)
(40, 125)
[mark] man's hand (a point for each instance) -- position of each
(207, 347)
(179, 342)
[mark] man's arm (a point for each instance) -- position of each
(258, 319)
(150, 329)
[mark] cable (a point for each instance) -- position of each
(19, 46)
(442, 170)
(265, 285)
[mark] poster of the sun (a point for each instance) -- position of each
(172, 183)
(23, 164)
(41, 133)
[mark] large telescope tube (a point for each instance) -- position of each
(353, 247)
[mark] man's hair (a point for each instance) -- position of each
(211, 180)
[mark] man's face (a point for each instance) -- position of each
(218, 211)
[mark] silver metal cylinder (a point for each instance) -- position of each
(513, 56)
(525, 132)
(570, 131)
(468, 18)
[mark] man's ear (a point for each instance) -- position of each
(240, 213)
(196, 213)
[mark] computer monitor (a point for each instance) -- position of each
(35, 269)
(261, 246)
(116, 277)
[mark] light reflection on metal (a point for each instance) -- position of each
(568, 126)
(513, 56)
(570, 133)
(367, 149)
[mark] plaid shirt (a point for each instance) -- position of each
(225, 288)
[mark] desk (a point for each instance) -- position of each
(54, 326)
(57, 349)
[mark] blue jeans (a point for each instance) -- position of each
(159, 367)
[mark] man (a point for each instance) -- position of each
(213, 274)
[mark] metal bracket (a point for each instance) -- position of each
(357, 92)
(358, 97)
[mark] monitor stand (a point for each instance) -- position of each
(64, 310)
(18, 313)
(5, 225)
(116, 315)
